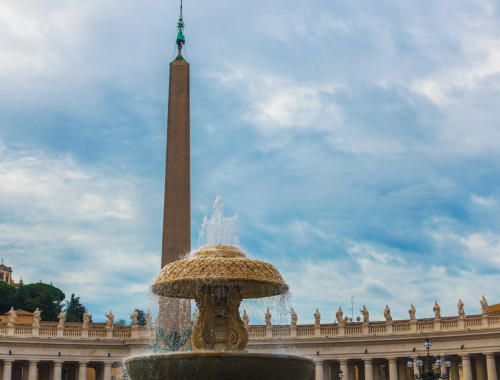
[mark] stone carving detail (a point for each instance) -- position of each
(149, 319)
(62, 319)
(412, 311)
(133, 317)
(86, 319)
(317, 318)
(387, 314)
(484, 306)
(227, 331)
(36, 318)
(339, 316)
(293, 318)
(460, 307)
(366, 314)
(268, 317)
(111, 320)
(437, 310)
(12, 317)
(245, 319)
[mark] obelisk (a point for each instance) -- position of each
(177, 208)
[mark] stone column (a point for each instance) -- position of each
(491, 366)
(344, 368)
(402, 371)
(107, 371)
(393, 369)
(7, 369)
(32, 370)
(376, 371)
(455, 375)
(466, 367)
(480, 368)
(57, 370)
(368, 369)
(82, 371)
(319, 370)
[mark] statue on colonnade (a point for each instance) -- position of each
(317, 318)
(268, 317)
(86, 319)
(484, 305)
(62, 319)
(460, 307)
(245, 319)
(133, 317)
(437, 310)
(387, 314)
(12, 317)
(36, 318)
(339, 316)
(293, 318)
(412, 311)
(111, 320)
(366, 314)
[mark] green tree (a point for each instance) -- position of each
(121, 322)
(74, 309)
(141, 317)
(7, 292)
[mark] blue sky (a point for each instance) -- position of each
(358, 143)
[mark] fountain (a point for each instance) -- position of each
(218, 278)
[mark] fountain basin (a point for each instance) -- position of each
(208, 365)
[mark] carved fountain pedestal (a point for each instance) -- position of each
(218, 278)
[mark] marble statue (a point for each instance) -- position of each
(62, 318)
(460, 307)
(111, 320)
(12, 317)
(195, 317)
(149, 319)
(317, 318)
(293, 318)
(387, 314)
(437, 310)
(36, 318)
(484, 305)
(366, 314)
(133, 317)
(268, 318)
(86, 319)
(412, 311)
(339, 316)
(246, 320)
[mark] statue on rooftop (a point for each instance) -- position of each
(484, 305)
(12, 317)
(36, 318)
(412, 311)
(317, 318)
(387, 314)
(62, 319)
(133, 317)
(86, 319)
(268, 317)
(293, 318)
(149, 319)
(437, 310)
(246, 320)
(339, 316)
(111, 320)
(460, 307)
(366, 314)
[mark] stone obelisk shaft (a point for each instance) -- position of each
(177, 208)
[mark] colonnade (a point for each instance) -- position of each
(463, 367)
(57, 369)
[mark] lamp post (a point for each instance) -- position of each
(426, 370)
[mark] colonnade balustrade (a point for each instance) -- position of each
(464, 367)
(56, 369)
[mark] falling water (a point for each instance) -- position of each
(219, 229)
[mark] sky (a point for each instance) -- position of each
(356, 141)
